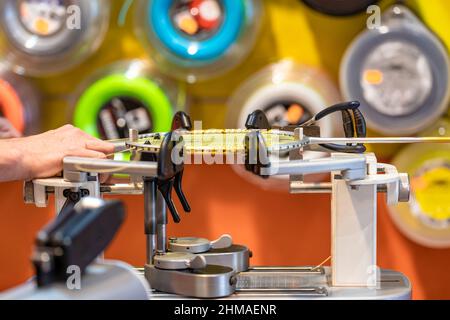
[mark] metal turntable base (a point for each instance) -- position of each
(287, 283)
(236, 257)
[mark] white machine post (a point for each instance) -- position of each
(354, 230)
(353, 223)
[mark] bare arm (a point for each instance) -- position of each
(41, 156)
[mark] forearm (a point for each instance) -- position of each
(12, 164)
(42, 155)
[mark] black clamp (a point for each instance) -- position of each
(257, 120)
(73, 197)
(170, 170)
(353, 122)
(256, 154)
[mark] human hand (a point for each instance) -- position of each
(7, 130)
(42, 155)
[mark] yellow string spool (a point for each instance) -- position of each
(426, 218)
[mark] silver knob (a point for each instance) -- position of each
(199, 262)
(225, 241)
(404, 188)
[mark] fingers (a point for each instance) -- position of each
(85, 153)
(87, 141)
(100, 146)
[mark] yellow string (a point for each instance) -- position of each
(121, 151)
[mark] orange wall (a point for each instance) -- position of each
(280, 229)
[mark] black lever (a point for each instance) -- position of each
(347, 121)
(360, 123)
(179, 169)
(181, 121)
(168, 170)
(72, 198)
(350, 129)
(256, 155)
(165, 187)
(77, 239)
(179, 191)
(350, 105)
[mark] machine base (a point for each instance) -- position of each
(212, 282)
(105, 280)
(290, 283)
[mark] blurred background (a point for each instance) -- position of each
(105, 66)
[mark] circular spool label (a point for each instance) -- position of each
(396, 78)
(207, 12)
(120, 114)
(43, 17)
(399, 73)
(430, 193)
(197, 19)
(285, 113)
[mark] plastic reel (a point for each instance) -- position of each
(126, 95)
(275, 87)
(340, 7)
(46, 37)
(197, 50)
(19, 102)
(400, 74)
(426, 218)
